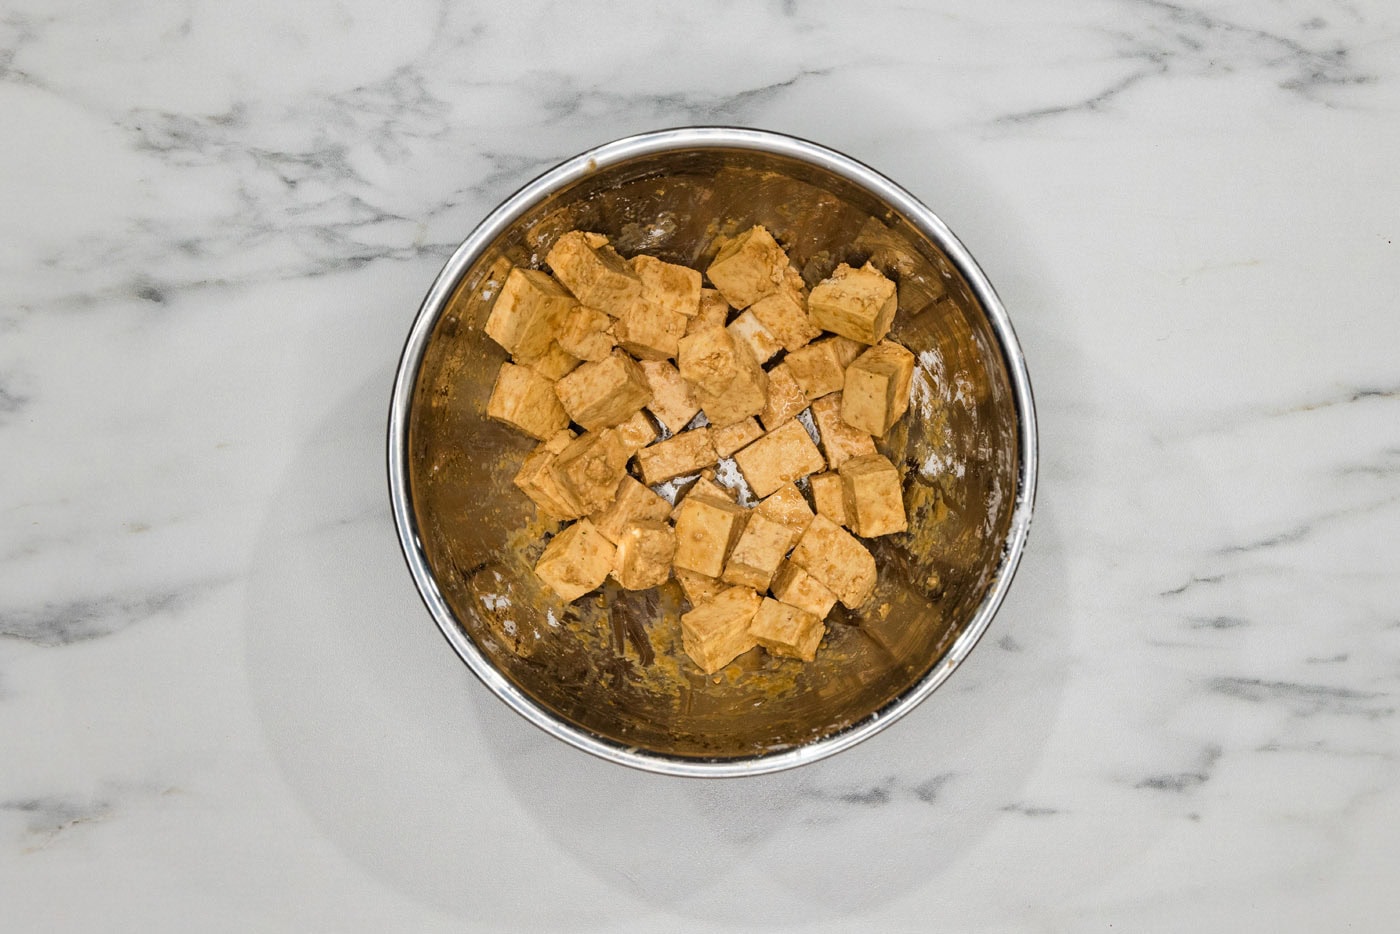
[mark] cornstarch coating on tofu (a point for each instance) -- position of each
(719, 427)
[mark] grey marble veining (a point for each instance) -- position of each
(220, 696)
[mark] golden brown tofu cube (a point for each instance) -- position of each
(586, 333)
(555, 364)
(727, 381)
(636, 432)
(590, 468)
(698, 588)
(593, 271)
(709, 360)
(668, 287)
(525, 400)
(760, 341)
(644, 553)
(758, 552)
(706, 529)
(688, 452)
(877, 388)
(783, 454)
(784, 314)
(748, 267)
(600, 395)
(744, 398)
(855, 303)
(537, 481)
(632, 502)
(703, 486)
(785, 397)
(829, 493)
(837, 559)
(839, 440)
(874, 496)
(786, 630)
(576, 561)
(786, 505)
(528, 312)
(731, 438)
(817, 369)
(796, 587)
(672, 402)
(846, 349)
(650, 333)
(714, 312)
(717, 631)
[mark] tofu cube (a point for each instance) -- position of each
(716, 632)
(590, 468)
(855, 303)
(874, 496)
(785, 397)
(688, 452)
(748, 267)
(709, 360)
(632, 502)
(706, 529)
(760, 341)
(836, 559)
(783, 454)
(788, 507)
(668, 287)
(786, 630)
(727, 381)
(593, 272)
(817, 368)
(650, 332)
(525, 400)
(672, 402)
(703, 486)
(555, 364)
(731, 438)
(586, 333)
(576, 561)
(846, 349)
(698, 588)
(839, 440)
(796, 587)
(877, 388)
(784, 314)
(829, 493)
(644, 554)
(760, 549)
(636, 432)
(527, 312)
(600, 395)
(538, 482)
(714, 312)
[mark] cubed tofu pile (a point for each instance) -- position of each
(606, 349)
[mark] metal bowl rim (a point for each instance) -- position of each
(656, 143)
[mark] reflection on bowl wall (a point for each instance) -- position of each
(607, 673)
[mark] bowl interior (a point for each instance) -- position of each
(611, 665)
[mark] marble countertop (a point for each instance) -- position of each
(223, 707)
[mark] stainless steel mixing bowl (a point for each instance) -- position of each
(607, 674)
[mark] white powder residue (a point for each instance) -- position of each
(672, 488)
(550, 618)
(727, 475)
(495, 601)
(509, 626)
(924, 394)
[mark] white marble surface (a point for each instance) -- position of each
(222, 706)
